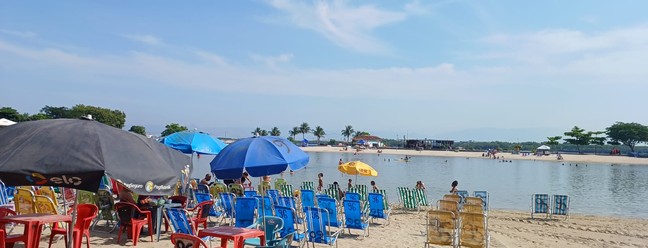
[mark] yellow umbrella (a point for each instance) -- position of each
(357, 168)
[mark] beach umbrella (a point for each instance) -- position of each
(259, 156)
(77, 153)
(5, 122)
(357, 168)
(190, 141)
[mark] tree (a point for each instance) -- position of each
(263, 132)
(56, 112)
(596, 140)
(294, 132)
(347, 132)
(579, 137)
(257, 131)
(173, 128)
(10, 114)
(115, 118)
(138, 130)
(39, 116)
(629, 134)
(275, 132)
(360, 133)
(304, 129)
(553, 141)
(319, 133)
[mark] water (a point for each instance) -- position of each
(600, 189)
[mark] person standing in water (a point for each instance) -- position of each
(320, 181)
(454, 187)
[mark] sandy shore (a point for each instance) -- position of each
(507, 229)
(569, 158)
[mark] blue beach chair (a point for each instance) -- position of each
(354, 218)
(463, 194)
(307, 198)
(540, 205)
(265, 206)
(179, 221)
(274, 195)
(352, 196)
(560, 205)
(202, 189)
(287, 201)
(227, 204)
(319, 228)
(250, 193)
(289, 217)
(203, 197)
(377, 207)
(484, 196)
(330, 205)
(244, 208)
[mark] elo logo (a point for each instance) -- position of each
(39, 179)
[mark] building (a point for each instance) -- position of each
(429, 144)
(368, 140)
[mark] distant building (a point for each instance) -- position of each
(368, 140)
(428, 144)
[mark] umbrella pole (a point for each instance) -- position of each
(71, 226)
(263, 195)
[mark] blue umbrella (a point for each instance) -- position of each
(190, 142)
(259, 156)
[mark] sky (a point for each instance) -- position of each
(463, 70)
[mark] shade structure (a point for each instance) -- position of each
(357, 168)
(191, 141)
(543, 147)
(259, 156)
(76, 153)
(6, 122)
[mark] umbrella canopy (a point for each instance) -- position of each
(5, 122)
(543, 147)
(77, 153)
(361, 142)
(259, 156)
(357, 168)
(198, 142)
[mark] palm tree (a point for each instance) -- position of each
(319, 133)
(347, 132)
(304, 129)
(275, 132)
(263, 132)
(294, 132)
(257, 131)
(360, 133)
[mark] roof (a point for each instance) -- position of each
(367, 138)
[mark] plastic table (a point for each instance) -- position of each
(34, 223)
(237, 234)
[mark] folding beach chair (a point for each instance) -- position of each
(560, 205)
(287, 190)
(448, 205)
(385, 197)
(266, 207)
(473, 232)
(291, 224)
(484, 196)
(330, 205)
(355, 218)
(441, 228)
(463, 194)
(250, 193)
(333, 193)
(307, 198)
(407, 199)
(227, 204)
(308, 186)
(274, 195)
(421, 197)
(319, 227)
(378, 208)
(245, 211)
(540, 205)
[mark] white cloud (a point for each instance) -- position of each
(272, 61)
(146, 39)
(22, 34)
(347, 26)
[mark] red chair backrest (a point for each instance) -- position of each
(126, 211)
(181, 240)
(204, 208)
(85, 214)
(4, 212)
(2, 238)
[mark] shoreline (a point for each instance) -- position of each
(569, 158)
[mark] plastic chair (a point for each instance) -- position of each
(203, 197)
(217, 188)
(319, 228)
(3, 236)
(354, 218)
(271, 225)
(441, 228)
(291, 225)
(201, 211)
(24, 201)
(130, 217)
(281, 243)
(377, 207)
(181, 240)
(244, 209)
(473, 231)
(85, 214)
(86, 197)
(49, 192)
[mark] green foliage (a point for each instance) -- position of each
(629, 134)
(275, 132)
(11, 114)
(332, 142)
(56, 112)
(360, 133)
(39, 116)
(291, 139)
(319, 133)
(304, 129)
(263, 132)
(173, 128)
(578, 137)
(347, 132)
(294, 132)
(115, 118)
(257, 131)
(553, 141)
(138, 130)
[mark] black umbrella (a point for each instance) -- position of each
(76, 153)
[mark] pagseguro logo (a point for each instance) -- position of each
(39, 179)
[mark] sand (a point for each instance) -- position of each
(569, 158)
(507, 229)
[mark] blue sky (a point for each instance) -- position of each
(482, 70)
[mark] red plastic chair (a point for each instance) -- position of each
(181, 240)
(10, 240)
(131, 217)
(202, 213)
(2, 238)
(85, 214)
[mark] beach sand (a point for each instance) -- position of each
(507, 229)
(567, 158)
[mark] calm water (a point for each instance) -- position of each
(596, 189)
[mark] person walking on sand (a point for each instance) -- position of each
(454, 187)
(320, 181)
(349, 184)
